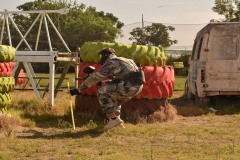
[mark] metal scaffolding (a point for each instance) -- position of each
(25, 58)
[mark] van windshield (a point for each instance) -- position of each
(224, 47)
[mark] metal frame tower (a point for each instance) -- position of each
(26, 57)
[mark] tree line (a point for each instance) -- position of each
(84, 24)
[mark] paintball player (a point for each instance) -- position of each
(125, 82)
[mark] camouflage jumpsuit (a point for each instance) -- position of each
(116, 93)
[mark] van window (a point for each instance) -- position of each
(194, 50)
(224, 47)
(197, 49)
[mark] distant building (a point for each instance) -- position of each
(177, 53)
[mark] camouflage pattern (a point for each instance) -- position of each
(113, 94)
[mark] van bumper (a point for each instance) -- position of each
(215, 93)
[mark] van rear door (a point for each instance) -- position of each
(222, 60)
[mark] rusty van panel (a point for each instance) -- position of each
(223, 76)
(216, 68)
(222, 68)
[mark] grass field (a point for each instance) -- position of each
(33, 131)
(179, 84)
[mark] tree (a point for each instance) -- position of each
(81, 24)
(154, 35)
(229, 9)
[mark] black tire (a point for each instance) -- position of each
(7, 84)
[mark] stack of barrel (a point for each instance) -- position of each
(159, 78)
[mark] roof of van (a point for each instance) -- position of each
(208, 27)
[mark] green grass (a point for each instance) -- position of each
(179, 83)
(70, 77)
(46, 133)
(208, 137)
(179, 80)
(43, 80)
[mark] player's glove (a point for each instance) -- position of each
(99, 84)
(74, 92)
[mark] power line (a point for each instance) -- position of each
(132, 23)
(175, 24)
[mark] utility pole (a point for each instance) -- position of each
(142, 22)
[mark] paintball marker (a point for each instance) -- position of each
(88, 70)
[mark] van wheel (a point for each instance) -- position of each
(188, 94)
(198, 100)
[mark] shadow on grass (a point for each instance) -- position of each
(35, 134)
(187, 108)
(64, 121)
(220, 105)
(44, 118)
(226, 105)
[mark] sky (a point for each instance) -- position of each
(187, 16)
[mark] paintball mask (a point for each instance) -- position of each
(105, 54)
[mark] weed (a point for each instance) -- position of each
(168, 113)
(9, 133)
(149, 150)
(32, 107)
(63, 124)
(233, 147)
(92, 124)
(4, 156)
(8, 123)
(28, 123)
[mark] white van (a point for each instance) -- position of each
(215, 61)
